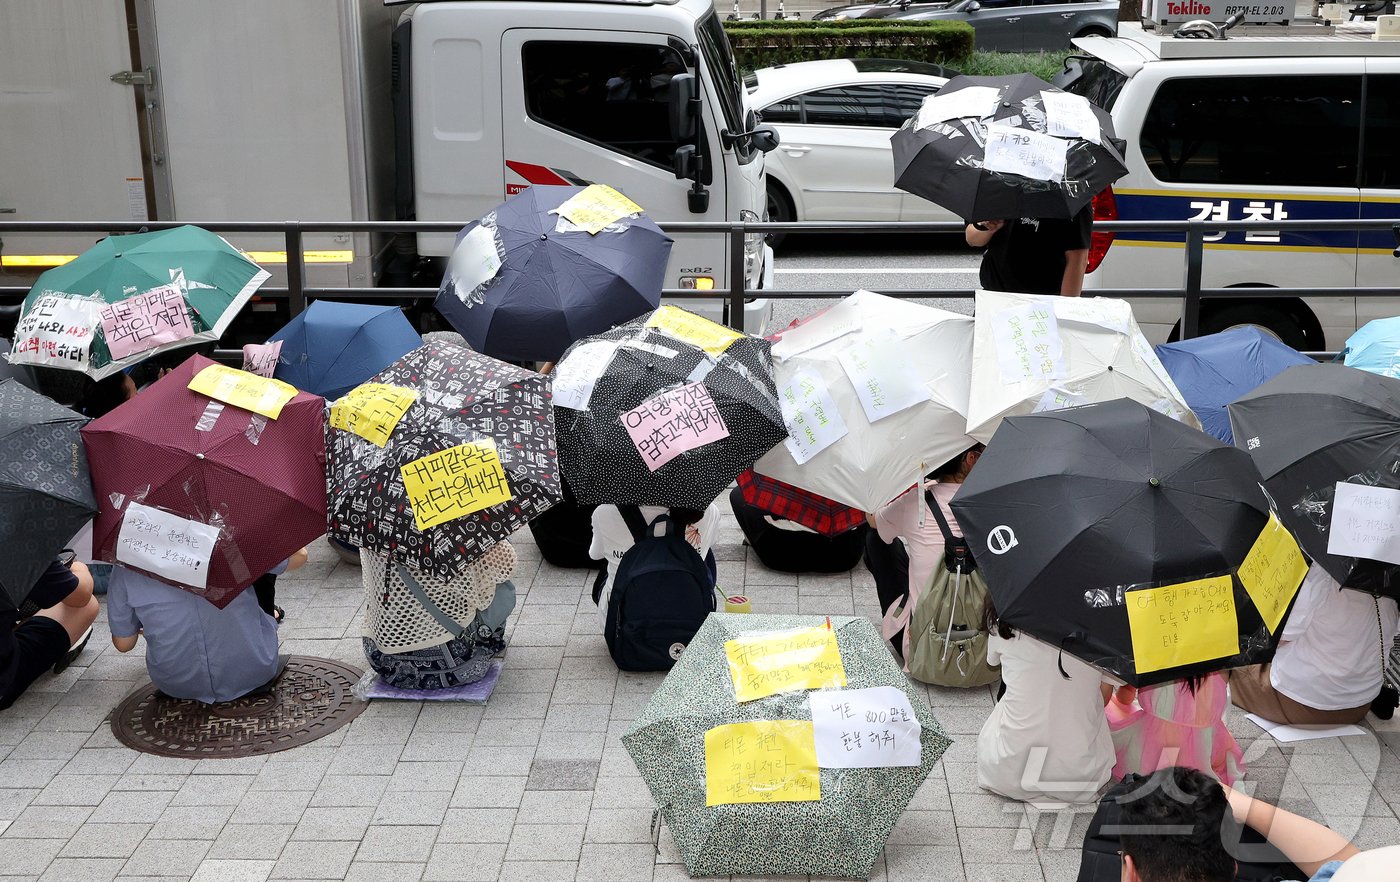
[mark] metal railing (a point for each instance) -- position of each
(297, 293)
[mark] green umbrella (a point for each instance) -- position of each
(839, 834)
(130, 297)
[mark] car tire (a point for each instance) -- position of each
(1094, 32)
(780, 210)
(1271, 320)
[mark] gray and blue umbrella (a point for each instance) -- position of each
(556, 282)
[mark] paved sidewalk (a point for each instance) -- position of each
(533, 786)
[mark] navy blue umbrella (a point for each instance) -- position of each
(1214, 370)
(556, 283)
(333, 347)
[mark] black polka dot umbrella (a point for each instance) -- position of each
(664, 410)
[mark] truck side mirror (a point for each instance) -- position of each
(683, 107)
(765, 138)
(685, 163)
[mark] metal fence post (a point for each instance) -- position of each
(1191, 301)
(296, 271)
(736, 277)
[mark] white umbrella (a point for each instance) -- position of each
(1038, 352)
(874, 395)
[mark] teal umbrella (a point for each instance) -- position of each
(130, 297)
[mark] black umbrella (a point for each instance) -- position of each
(1037, 169)
(666, 415)
(1091, 523)
(45, 492)
(557, 282)
(1311, 427)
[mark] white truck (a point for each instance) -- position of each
(341, 110)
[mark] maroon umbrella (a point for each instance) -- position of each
(826, 516)
(201, 493)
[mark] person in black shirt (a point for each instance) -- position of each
(1034, 255)
(43, 641)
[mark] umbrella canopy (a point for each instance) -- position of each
(1375, 347)
(1034, 352)
(1214, 370)
(1134, 542)
(445, 454)
(839, 834)
(874, 393)
(45, 493)
(130, 297)
(826, 516)
(208, 478)
(526, 281)
(999, 147)
(332, 347)
(19, 372)
(664, 410)
(1312, 429)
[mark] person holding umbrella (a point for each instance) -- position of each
(51, 637)
(1030, 255)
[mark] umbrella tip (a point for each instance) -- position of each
(1154, 482)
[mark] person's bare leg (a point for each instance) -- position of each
(74, 619)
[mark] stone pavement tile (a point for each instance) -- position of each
(314, 860)
(47, 822)
(488, 792)
(519, 656)
(86, 790)
(549, 774)
(590, 668)
(617, 763)
(166, 857)
(426, 776)
(1328, 768)
(131, 807)
(271, 807)
(932, 796)
(538, 871)
(1343, 800)
(545, 842)
(464, 862)
(555, 807)
(983, 809)
(408, 808)
(214, 790)
(48, 745)
(390, 732)
(397, 844)
(1061, 828)
(426, 745)
(669, 873)
(476, 825)
(825, 605)
(625, 825)
(27, 773)
(372, 871)
(622, 793)
(234, 765)
(350, 790)
(331, 824)
(213, 870)
(150, 764)
(566, 596)
(250, 841)
(591, 690)
(1060, 865)
(505, 731)
(996, 845)
(1369, 832)
(588, 644)
(577, 717)
(82, 870)
(961, 777)
(297, 775)
(515, 706)
(919, 863)
(600, 862)
(924, 828)
(363, 759)
(105, 841)
(1004, 873)
(28, 857)
(571, 746)
(73, 718)
(509, 760)
(101, 761)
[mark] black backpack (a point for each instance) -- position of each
(660, 597)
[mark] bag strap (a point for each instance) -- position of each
(450, 624)
(937, 510)
(632, 517)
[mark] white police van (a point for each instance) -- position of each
(1266, 125)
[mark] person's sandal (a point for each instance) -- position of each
(278, 614)
(73, 652)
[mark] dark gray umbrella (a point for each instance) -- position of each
(45, 492)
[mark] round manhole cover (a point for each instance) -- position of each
(310, 699)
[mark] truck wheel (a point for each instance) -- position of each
(780, 210)
(1269, 319)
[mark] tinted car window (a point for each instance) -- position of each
(1275, 130)
(908, 98)
(789, 110)
(1092, 79)
(873, 105)
(1381, 167)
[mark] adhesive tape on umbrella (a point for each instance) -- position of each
(261, 395)
(696, 330)
(166, 545)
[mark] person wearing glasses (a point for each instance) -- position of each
(53, 634)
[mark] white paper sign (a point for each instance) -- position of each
(1286, 734)
(166, 545)
(474, 262)
(1071, 116)
(1365, 523)
(864, 728)
(1106, 313)
(1028, 343)
(806, 338)
(1058, 399)
(56, 330)
(575, 376)
(974, 101)
(813, 421)
(879, 368)
(1018, 151)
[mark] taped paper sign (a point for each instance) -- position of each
(1272, 572)
(261, 358)
(1055, 398)
(1028, 344)
(242, 389)
(1071, 116)
(974, 101)
(761, 761)
(813, 421)
(575, 376)
(865, 728)
(146, 321)
(1022, 152)
(1365, 523)
(372, 410)
(805, 338)
(56, 329)
(596, 206)
(1112, 315)
(454, 483)
(693, 329)
(166, 545)
(1176, 625)
(879, 368)
(677, 420)
(769, 662)
(474, 262)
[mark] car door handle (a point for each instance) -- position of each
(1013, 20)
(795, 149)
(1068, 14)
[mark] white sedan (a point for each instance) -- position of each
(835, 119)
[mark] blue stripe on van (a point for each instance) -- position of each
(1178, 206)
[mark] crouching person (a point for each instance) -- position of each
(51, 637)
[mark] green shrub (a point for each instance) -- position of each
(995, 64)
(766, 43)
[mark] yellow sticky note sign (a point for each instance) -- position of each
(454, 483)
(261, 395)
(1272, 571)
(372, 410)
(1175, 625)
(596, 206)
(767, 663)
(762, 761)
(693, 329)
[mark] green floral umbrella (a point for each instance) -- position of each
(839, 834)
(130, 297)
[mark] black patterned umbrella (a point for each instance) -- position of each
(664, 410)
(440, 456)
(45, 491)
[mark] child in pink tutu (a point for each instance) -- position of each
(1181, 723)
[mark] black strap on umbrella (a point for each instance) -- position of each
(416, 589)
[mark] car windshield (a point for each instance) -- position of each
(723, 74)
(1091, 78)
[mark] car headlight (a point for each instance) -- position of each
(753, 242)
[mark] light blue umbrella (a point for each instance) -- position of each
(1375, 347)
(333, 347)
(1214, 370)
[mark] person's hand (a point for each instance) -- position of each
(989, 226)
